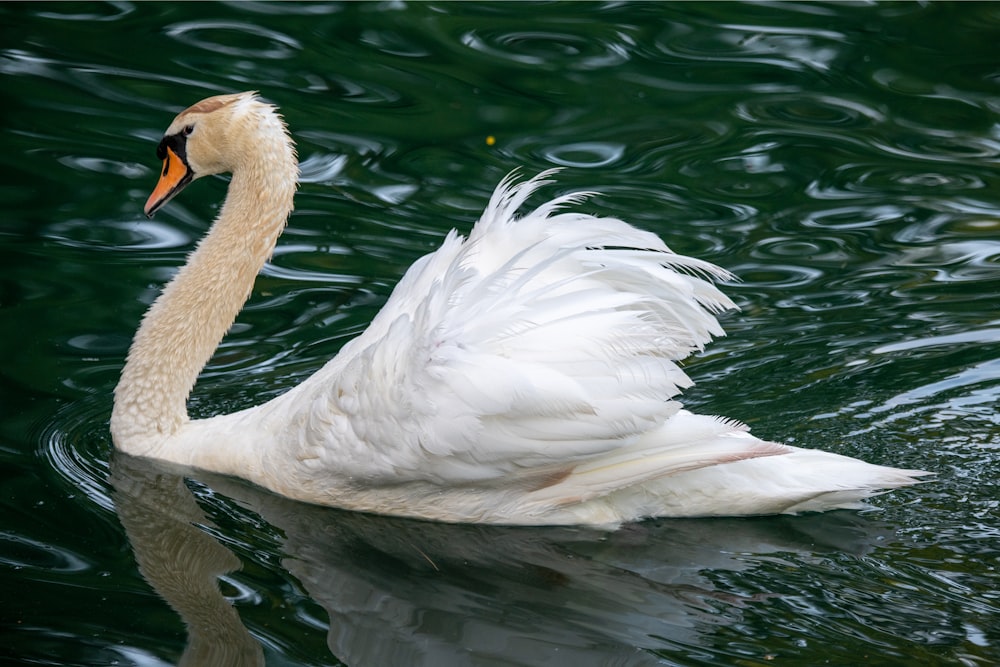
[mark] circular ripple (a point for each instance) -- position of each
(776, 275)
(117, 235)
(804, 109)
(825, 249)
(21, 552)
(549, 49)
(762, 45)
(586, 154)
(322, 168)
(103, 166)
(851, 180)
(76, 443)
(942, 146)
(394, 43)
(234, 38)
(105, 11)
(853, 217)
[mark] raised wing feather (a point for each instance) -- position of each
(533, 344)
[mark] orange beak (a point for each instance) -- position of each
(175, 175)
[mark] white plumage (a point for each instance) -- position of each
(525, 374)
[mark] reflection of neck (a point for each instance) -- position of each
(181, 562)
(183, 327)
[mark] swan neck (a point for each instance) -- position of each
(185, 324)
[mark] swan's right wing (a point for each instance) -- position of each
(535, 344)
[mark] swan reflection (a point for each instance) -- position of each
(405, 592)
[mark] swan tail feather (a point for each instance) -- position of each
(721, 470)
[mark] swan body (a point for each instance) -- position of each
(526, 374)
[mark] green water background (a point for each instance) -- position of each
(840, 158)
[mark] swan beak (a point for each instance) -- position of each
(175, 175)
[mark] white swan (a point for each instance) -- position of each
(524, 375)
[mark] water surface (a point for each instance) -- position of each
(841, 159)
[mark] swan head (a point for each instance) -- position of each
(204, 139)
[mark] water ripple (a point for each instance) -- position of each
(586, 154)
(105, 166)
(286, 8)
(360, 91)
(981, 336)
(972, 392)
(21, 552)
(809, 109)
(116, 10)
(115, 235)
(235, 38)
(853, 217)
(115, 84)
(788, 48)
(394, 43)
(942, 146)
(849, 181)
(955, 262)
(775, 275)
(549, 49)
(75, 444)
(321, 168)
(826, 249)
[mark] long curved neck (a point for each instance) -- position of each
(183, 327)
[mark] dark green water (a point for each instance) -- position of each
(842, 159)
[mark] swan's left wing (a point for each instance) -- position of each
(533, 344)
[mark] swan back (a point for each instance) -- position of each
(535, 343)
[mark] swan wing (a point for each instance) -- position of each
(534, 344)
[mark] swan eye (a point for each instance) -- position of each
(188, 130)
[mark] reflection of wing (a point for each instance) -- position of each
(402, 592)
(474, 594)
